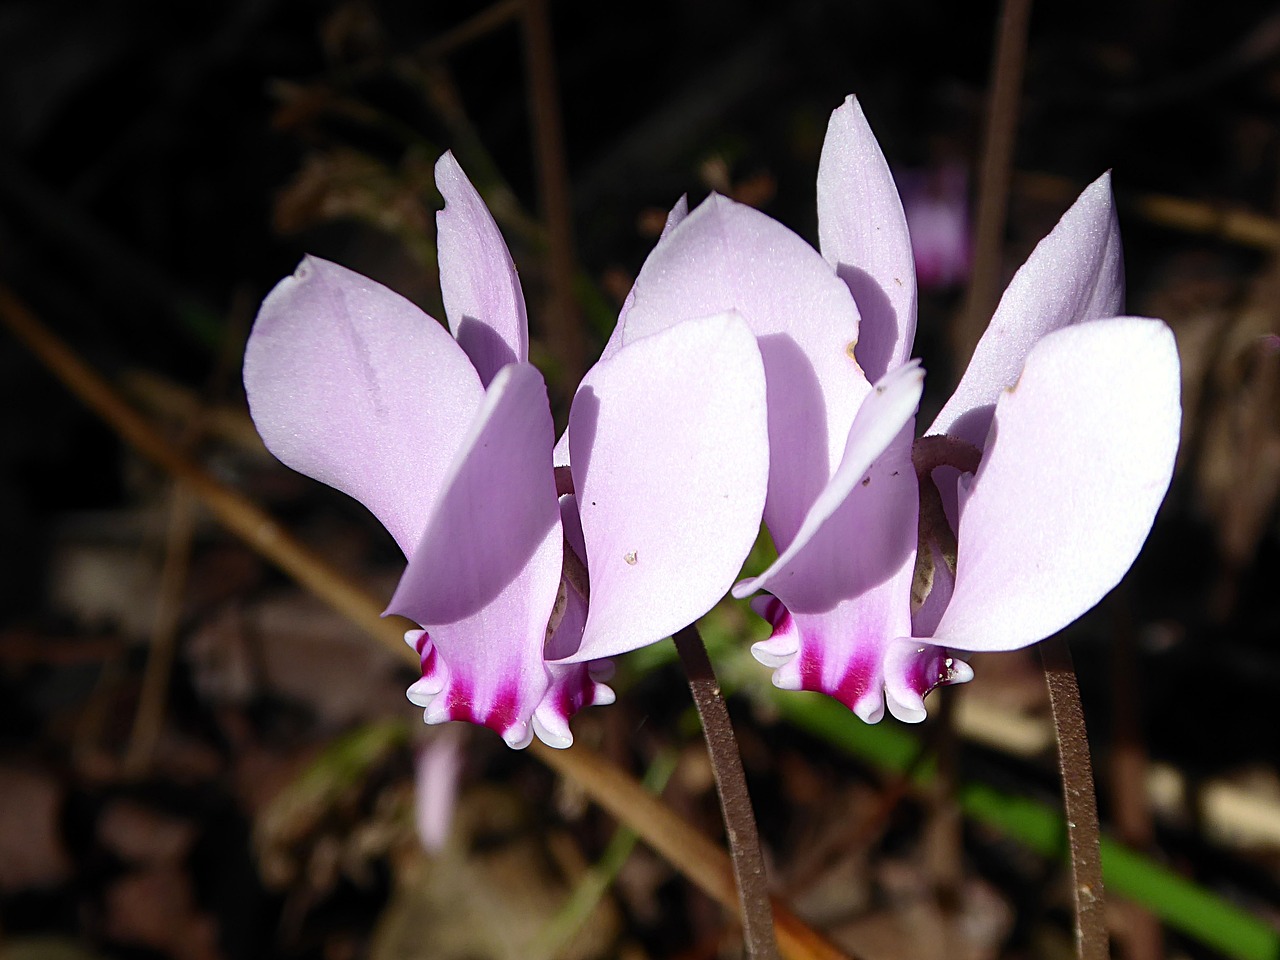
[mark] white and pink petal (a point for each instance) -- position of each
(1074, 275)
(862, 232)
(1078, 459)
(670, 462)
(815, 561)
(353, 385)
(727, 256)
(484, 578)
(478, 280)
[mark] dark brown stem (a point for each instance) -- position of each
(928, 454)
(945, 828)
(735, 803)
(564, 481)
(940, 450)
(1083, 834)
(993, 185)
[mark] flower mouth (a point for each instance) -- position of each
(937, 543)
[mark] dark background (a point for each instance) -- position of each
(163, 165)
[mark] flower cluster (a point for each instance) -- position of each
(749, 376)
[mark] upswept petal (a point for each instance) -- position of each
(616, 339)
(675, 215)
(862, 231)
(478, 280)
(670, 462)
(483, 580)
(889, 408)
(1078, 459)
(1075, 274)
(350, 383)
(726, 256)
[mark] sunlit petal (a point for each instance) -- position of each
(670, 463)
(1079, 457)
(478, 280)
(862, 232)
(350, 383)
(727, 256)
(1075, 274)
(815, 574)
(484, 578)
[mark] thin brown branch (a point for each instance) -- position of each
(1083, 834)
(687, 850)
(1003, 98)
(735, 802)
(149, 719)
(562, 321)
(483, 23)
(1220, 220)
(940, 450)
(236, 512)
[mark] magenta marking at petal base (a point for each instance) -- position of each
(505, 709)
(573, 697)
(858, 680)
(576, 692)
(460, 703)
(930, 668)
(811, 668)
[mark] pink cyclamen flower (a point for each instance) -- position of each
(1054, 452)
(448, 441)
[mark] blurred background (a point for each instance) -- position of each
(199, 760)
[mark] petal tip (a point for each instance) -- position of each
(555, 737)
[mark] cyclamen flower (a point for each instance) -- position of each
(1041, 476)
(449, 443)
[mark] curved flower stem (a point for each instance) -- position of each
(1083, 834)
(735, 803)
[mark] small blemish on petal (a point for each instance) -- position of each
(849, 349)
(630, 558)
